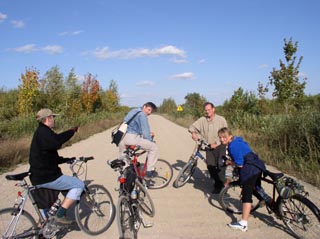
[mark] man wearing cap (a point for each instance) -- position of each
(44, 160)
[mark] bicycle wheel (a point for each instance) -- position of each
(144, 200)
(301, 216)
(162, 177)
(125, 219)
(185, 173)
(95, 211)
(26, 226)
(230, 199)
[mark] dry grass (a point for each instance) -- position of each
(16, 151)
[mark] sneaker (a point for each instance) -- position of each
(63, 220)
(238, 226)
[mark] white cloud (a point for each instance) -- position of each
(2, 17)
(145, 83)
(105, 52)
(179, 60)
(183, 76)
(54, 49)
(262, 66)
(26, 48)
(51, 49)
(17, 24)
(74, 33)
(201, 61)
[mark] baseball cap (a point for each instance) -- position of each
(44, 113)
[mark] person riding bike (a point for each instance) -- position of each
(44, 160)
(138, 133)
(250, 167)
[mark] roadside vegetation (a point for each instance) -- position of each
(284, 130)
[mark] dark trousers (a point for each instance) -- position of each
(217, 173)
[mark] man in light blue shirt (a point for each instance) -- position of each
(138, 133)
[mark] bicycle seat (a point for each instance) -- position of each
(133, 147)
(17, 177)
(117, 163)
(274, 176)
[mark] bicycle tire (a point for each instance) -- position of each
(144, 200)
(125, 219)
(230, 199)
(95, 211)
(301, 216)
(162, 177)
(26, 227)
(185, 173)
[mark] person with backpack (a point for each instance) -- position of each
(138, 133)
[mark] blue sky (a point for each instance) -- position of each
(156, 49)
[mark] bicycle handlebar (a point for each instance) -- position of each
(203, 144)
(74, 160)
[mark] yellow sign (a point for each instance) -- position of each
(179, 108)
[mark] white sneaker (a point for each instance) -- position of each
(238, 226)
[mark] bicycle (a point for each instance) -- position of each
(94, 212)
(289, 203)
(162, 174)
(187, 171)
(134, 199)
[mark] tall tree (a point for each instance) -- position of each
(28, 92)
(53, 88)
(73, 95)
(90, 93)
(288, 90)
(168, 106)
(194, 104)
(112, 98)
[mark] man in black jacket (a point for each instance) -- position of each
(44, 160)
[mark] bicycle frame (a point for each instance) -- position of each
(20, 203)
(132, 152)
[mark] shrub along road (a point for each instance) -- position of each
(190, 212)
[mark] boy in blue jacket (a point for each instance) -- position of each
(250, 167)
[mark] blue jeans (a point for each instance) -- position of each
(73, 184)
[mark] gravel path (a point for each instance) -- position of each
(190, 212)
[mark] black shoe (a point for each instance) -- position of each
(216, 190)
(63, 220)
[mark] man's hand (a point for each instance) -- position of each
(195, 136)
(75, 129)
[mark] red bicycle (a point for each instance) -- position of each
(162, 174)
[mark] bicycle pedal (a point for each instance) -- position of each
(147, 225)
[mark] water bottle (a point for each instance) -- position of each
(54, 207)
(134, 195)
(263, 194)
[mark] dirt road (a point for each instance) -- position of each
(190, 212)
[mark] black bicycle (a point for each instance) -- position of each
(134, 200)
(94, 212)
(289, 203)
(187, 171)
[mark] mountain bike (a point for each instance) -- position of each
(160, 177)
(289, 203)
(94, 212)
(187, 171)
(134, 200)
